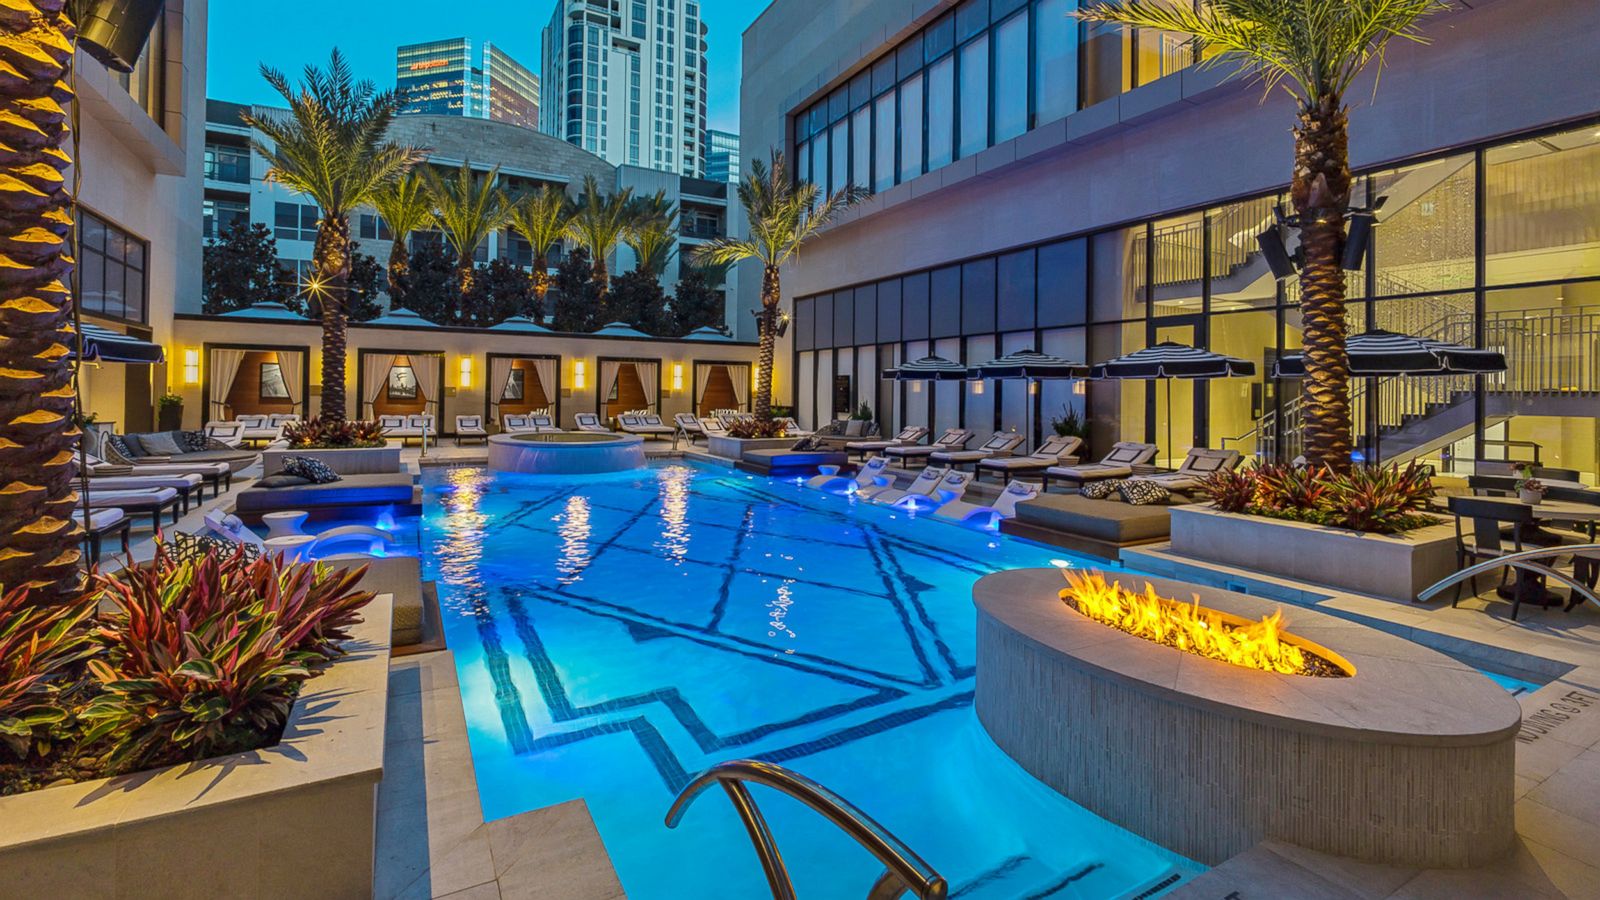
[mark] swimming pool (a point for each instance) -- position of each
(617, 635)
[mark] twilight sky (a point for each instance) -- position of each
(287, 34)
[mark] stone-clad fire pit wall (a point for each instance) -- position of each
(1410, 761)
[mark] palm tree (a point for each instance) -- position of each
(1314, 50)
(542, 217)
(405, 206)
(331, 147)
(470, 208)
(653, 232)
(782, 215)
(38, 535)
(599, 222)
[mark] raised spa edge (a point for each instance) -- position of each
(566, 453)
(1409, 761)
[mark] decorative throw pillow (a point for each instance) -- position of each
(312, 470)
(120, 446)
(281, 480)
(189, 547)
(161, 443)
(1141, 492)
(1099, 490)
(194, 441)
(854, 428)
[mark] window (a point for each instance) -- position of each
(225, 163)
(1055, 76)
(1011, 78)
(974, 96)
(294, 222)
(373, 228)
(911, 128)
(883, 163)
(861, 147)
(221, 215)
(941, 112)
(112, 270)
(838, 170)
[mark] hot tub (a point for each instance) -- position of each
(566, 453)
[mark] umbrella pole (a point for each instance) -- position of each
(1171, 451)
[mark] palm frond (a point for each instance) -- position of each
(652, 231)
(782, 215)
(541, 217)
(405, 205)
(469, 207)
(599, 220)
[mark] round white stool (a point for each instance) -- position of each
(284, 524)
(291, 546)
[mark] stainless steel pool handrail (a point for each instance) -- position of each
(1523, 560)
(904, 870)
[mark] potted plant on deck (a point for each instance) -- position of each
(169, 412)
(1530, 490)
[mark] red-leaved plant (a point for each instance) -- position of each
(40, 647)
(1379, 499)
(758, 428)
(204, 657)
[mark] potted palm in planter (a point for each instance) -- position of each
(169, 412)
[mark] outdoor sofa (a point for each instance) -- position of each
(171, 448)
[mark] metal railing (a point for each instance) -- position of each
(1525, 561)
(903, 870)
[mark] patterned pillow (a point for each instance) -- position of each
(190, 547)
(194, 441)
(119, 445)
(313, 470)
(1099, 490)
(1142, 492)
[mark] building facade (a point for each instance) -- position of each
(456, 77)
(140, 159)
(626, 80)
(722, 156)
(1090, 191)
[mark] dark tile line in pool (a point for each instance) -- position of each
(876, 726)
(725, 590)
(883, 557)
(984, 879)
(655, 747)
(507, 696)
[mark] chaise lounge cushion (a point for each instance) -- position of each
(1104, 520)
(353, 490)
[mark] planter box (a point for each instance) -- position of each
(296, 819)
(354, 461)
(734, 448)
(1395, 567)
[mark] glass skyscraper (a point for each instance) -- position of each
(455, 78)
(722, 156)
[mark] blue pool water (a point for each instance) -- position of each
(616, 636)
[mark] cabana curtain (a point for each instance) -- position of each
(224, 369)
(546, 370)
(499, 379)
(376, 375)
(702, 379)
(740, 376)
(291, 364)
(650, 378)
(426, 367)
(608, 379)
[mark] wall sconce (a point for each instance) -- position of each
(191, 366)
(1033, 387)
(677, 376)
(1080, 388)
(465, 379)
(579, 371)
(916, 387)
(977, 387)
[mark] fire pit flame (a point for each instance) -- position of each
(1195, 629)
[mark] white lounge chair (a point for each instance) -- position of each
(922, 486)
(512, 423)
(230, 433)
(1001, 443)
(102, 522)
(190, 487)
(1199, 465)
(791, 428)
(632, 423)
(872, 474)
(952, 439)
(418, 426)
(907, 436)
(151, 501)
(950, 488)
(988, 517)
(259, 429)
(590, 422)
(1118, 463)
(688, 425)
(471, 428)
(713, 428)
(218, 475)
(279, 419)
(542, 423)
(1056, 450)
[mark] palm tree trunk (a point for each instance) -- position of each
(1321, 193)
(541, 283)
(38, 535)
(331, 258)
(771, 293)
(399, 270)
(602, 274)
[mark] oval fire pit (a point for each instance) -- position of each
(1409, 759)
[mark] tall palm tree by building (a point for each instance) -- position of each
(782, 215)
(652, 232)
(38, 535)
(541, 217)
(469, 208)
(1314, 50)
(406, 206)
(600, 222)
(332, 148)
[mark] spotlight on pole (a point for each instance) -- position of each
(1275, 252)
(1362, 221)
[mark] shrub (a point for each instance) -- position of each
(319, 434)
(1376, 499)
(756, 428)
(204, 657)
(1070, 423)
(40, 647)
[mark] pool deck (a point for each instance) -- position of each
(1558, 751)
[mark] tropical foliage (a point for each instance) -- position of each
(1377, 499)
(697, 302)
(542, 217)
(38, 535)
(332, 147)
(406, 206)
(599, 222)
(241, 268)
(468, 207)
(577, 300)
(1314, 50)
(331, 434)
(783, 215)
(39, 649)
(652, 232)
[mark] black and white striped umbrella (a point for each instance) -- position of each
(1029, 364)
(104, 345)
(928, 368)
(1173, 360)
(1379, 353)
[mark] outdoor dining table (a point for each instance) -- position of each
(1586, 514)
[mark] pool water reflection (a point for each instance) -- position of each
(616, 635)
